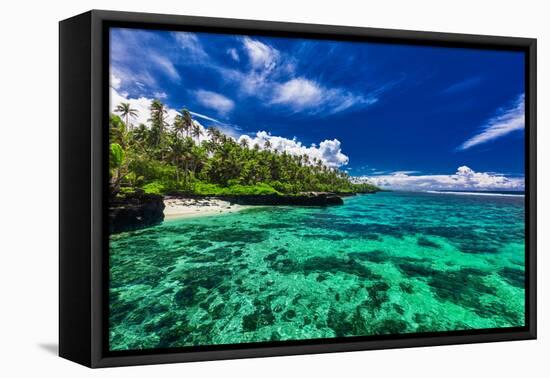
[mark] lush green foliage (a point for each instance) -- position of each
(174, 158)
(202, 188)
(116, 155)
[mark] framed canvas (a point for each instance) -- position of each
(234, 188)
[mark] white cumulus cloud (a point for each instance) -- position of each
(328, 151)
(504, 122)
(464, 178)
(141, 104)
(114, 81)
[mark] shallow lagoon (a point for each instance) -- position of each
(380, 264)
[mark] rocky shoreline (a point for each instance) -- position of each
(135, 212)
(140, 210)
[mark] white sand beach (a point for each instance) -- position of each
(196, 207)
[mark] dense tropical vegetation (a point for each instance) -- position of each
(173, 158)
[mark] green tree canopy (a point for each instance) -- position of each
(168, 158)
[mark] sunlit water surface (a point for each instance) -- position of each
(387, 263)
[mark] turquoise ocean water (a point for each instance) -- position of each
(387, 263)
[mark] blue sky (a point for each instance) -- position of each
(379, 110)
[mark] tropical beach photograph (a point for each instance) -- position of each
(268, 190)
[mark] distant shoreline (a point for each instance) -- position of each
(478, 193)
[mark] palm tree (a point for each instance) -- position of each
(179, 125)
(210, 144)
(186, 157)
(196, 132)
(117, 130)
(176, 149)
(140, 133)
(158, 118)
(126, 111)
(215, 135)
(187, 121)
(244, 143)
(319, 163)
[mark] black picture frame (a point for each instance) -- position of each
(83, 228)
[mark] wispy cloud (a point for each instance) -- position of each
(301, 94)
(261, 56)
(464, 178)
(139, 61)
(165, 65)
(463, 85)
(405, 172)
(160, 95)
(232, 52)
(214, 101)
(265, 73)
(273, 79)
(379, 172)
(376, 172)
(191, 44)
(208, 118)
(506, 120)
(133, 78)
(231, 130)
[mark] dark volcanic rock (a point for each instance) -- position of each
(306, 199)
(135, 211)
